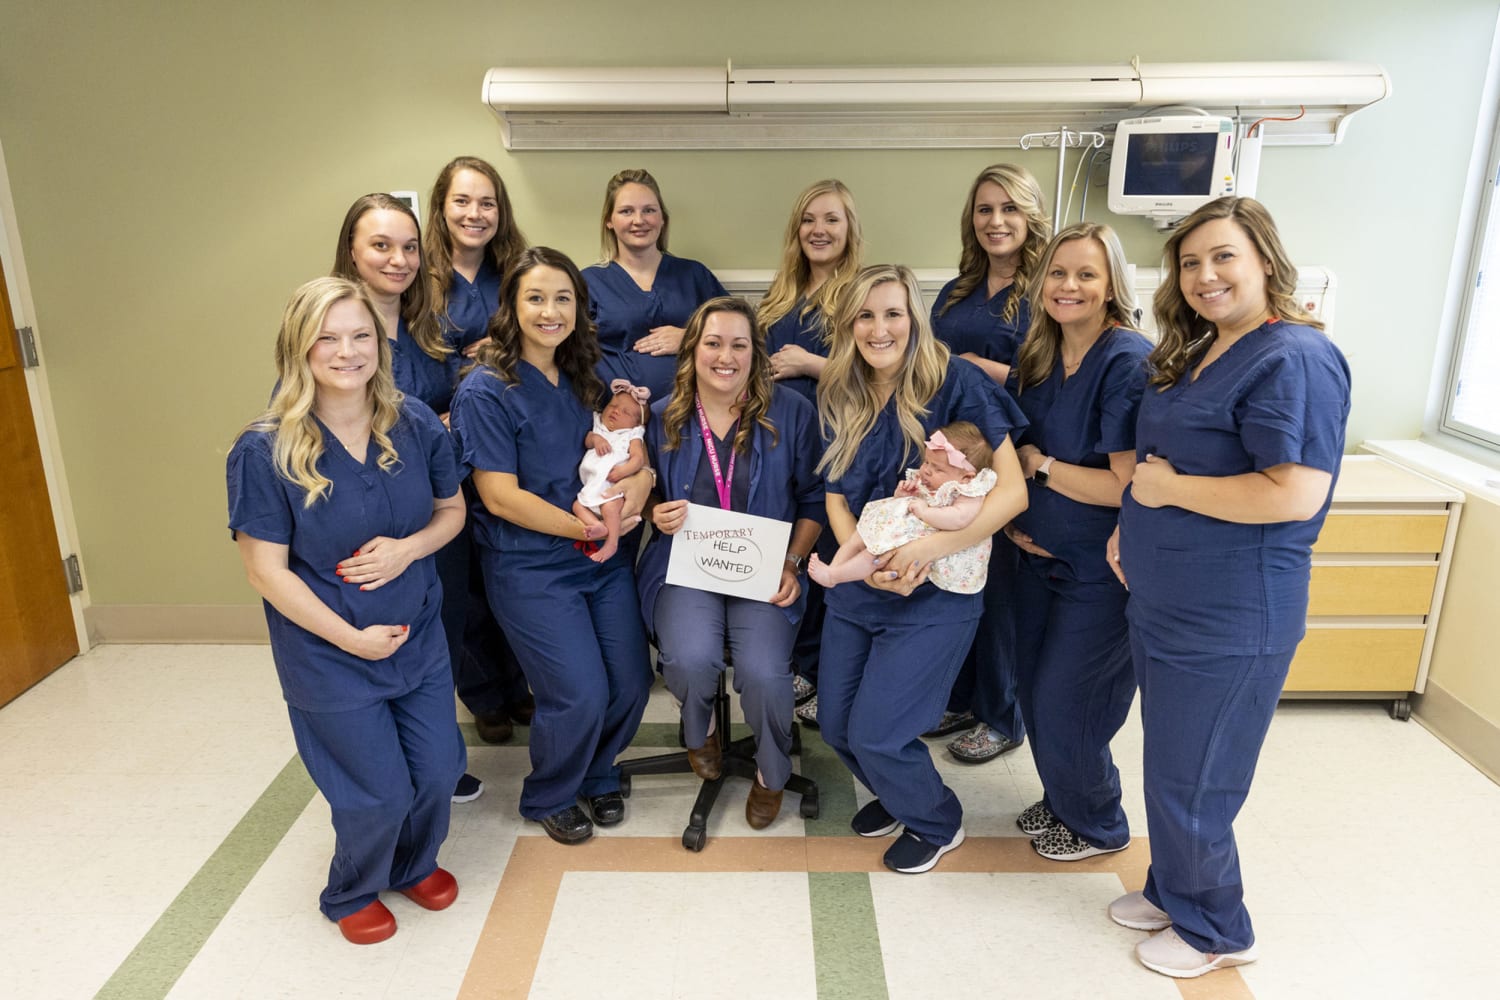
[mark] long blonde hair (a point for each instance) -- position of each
(756, 403)
(437, 242)
(795, 273)
(1039, 352)
(1182, 333)
(421, 321)
(974, 263)
(848, 400)
(297, 439)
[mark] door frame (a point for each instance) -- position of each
(42, 413)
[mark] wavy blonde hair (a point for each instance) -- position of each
(1183, 334)
(1038, 354)
(848, 400)
(795, 273)
(297, 442)
(609, 243)
(421, 321)
(974, 263)
(757, 400)
(437, 243)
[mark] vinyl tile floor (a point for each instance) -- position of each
(160, 838)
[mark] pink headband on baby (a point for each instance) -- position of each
(640, 393)
(956, 458)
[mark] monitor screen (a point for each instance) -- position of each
(1165, 164)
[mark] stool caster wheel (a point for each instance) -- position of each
(809, 806)
(625, 786)
(694, 837)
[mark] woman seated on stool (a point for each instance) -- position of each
(342, 463)
(728, 437)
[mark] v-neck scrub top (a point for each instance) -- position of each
(805, 331)
(975, 324)
(366, 501)
(879, 465)
(623, 314)
(419, 374)
(1278, 395)
(470, 306)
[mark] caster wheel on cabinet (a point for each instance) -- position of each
(1401, 709)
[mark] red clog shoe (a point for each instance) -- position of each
(371, 925)
(435, 892)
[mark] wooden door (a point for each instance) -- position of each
(36, 618)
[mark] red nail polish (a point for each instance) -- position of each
(356, 551)
(405, 628)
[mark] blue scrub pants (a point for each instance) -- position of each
(1075, 683)
(809, 645)
(986, 685)
(576, 629)
(691, 628)
(1204, 716)
(880, 687)
(388, 772)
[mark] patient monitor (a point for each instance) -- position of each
(1165, 167)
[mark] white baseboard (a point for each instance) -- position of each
(1470, 735)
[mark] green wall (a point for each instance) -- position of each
(178, 169)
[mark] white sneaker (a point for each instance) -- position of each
(1135, 911)
(1170, 955)
(1058, 843)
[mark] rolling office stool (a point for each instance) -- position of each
(739, 762)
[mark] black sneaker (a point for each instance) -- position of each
(911, 855)
(468, 789)
(873, 821)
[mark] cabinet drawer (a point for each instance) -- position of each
(1382, 533)
(1357, 659)
(1372, 590)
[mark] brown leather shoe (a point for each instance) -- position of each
(493, 728)
(762, 807)
(708, 760)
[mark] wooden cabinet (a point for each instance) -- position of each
(1378, 573)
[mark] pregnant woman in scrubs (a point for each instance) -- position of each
(338, 497)
(1078, 378)
(521, 418)
(641, 295)
(1238, 445)
(982, 315)
(893, 643)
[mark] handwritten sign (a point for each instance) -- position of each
(727, 553)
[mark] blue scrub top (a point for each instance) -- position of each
(974, 324)
(782, 476)
(533, 430)
(624, 314)
(470, 306)
(879, 466)
(1279, 395)
(1080, 421)
(807, 332)
(420, 375)
(366, 501)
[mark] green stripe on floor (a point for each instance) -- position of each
(846, 939)
(179, 933)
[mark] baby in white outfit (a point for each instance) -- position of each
(615, 450)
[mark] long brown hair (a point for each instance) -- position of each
(757, 401)
(421, 322)
(974, 263)
(437, 244)
(576, 356)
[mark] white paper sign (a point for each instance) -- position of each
(727, 553)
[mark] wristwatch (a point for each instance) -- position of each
(1040, 476)
(796, 561)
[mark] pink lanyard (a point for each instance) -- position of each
(722, 483)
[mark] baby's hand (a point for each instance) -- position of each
(601, 448)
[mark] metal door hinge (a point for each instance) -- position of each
(27, 341)
(74, 574)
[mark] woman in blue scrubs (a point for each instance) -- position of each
(341, 463)
(471, 240)
(765, 450)
(1078, 378)
(379, 244)
(575, 624)
(821, 251)
(893, 643)
(1240, 436)
(641, 295)
(982, 315)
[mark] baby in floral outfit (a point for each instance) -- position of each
(944, 494)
